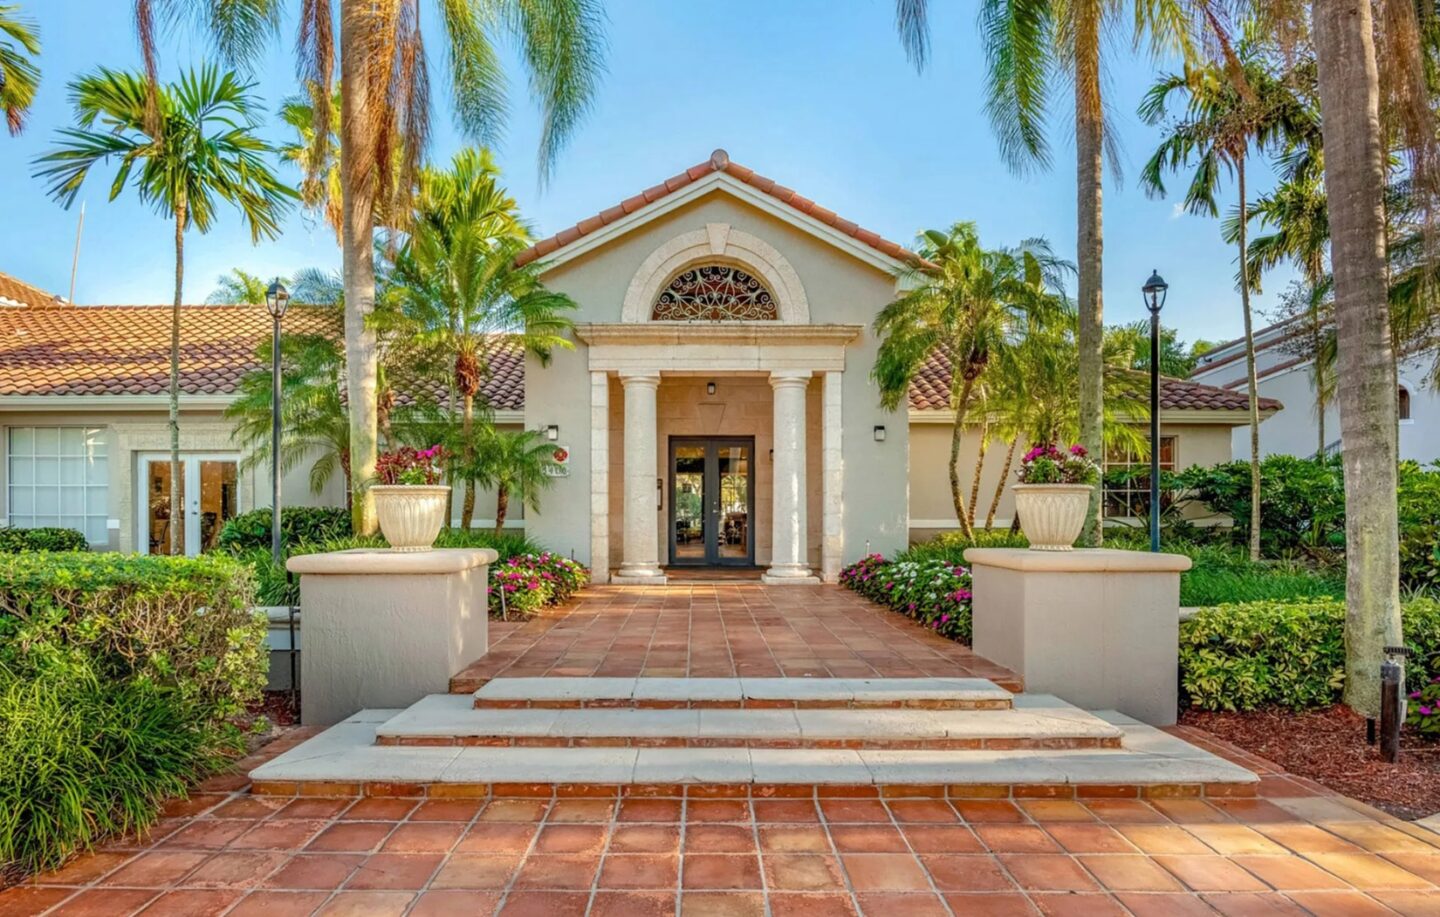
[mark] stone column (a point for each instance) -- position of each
(599, 477)
(639, 556)
(832, 465)
(788, 524)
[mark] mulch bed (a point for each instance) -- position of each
(280, 707)
(1328, 746)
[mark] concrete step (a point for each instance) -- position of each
(344, 760)
(1037, 722)
(743, 693)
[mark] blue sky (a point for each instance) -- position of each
(813, 93)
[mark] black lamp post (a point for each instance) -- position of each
(1154, 291)
(277, 300)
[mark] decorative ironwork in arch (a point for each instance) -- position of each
(715, 293)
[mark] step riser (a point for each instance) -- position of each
(995, 744)
(746, 704)
(958, 792)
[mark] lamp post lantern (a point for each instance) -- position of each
(277, 300)
(1154, 290)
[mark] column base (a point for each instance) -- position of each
(639, 576)
(789, 575)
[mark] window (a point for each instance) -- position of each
(1403, 403)
(59, 476)
(1131, 500)
(715, 293)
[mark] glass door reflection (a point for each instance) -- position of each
(711, 501)
(209, 497)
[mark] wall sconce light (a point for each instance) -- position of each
(772, 455)
(709, 388)
(879, 433)
(552, 432)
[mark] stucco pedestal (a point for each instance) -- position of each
(383, 629)
(1099, 628)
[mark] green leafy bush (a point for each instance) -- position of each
(530, 582)
(951, 545)
(934, 592)
(300, 525)
(122, 679)
(20, 541)
(1302, 501)
(1418, 495)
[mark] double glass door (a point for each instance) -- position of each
(712, 502)
(208, 498)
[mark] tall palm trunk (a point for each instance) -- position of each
(979, 468)
(358, 178)
(1365, 390)
(467, 426)
(962, 404)
(1000, 485)
(1089, 169)
(1251, 375)
(1319, 384)
(177, 496)
(502, 508)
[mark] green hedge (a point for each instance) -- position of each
(298, 525)
(22, 541)
(1258, 654)
(122, 680)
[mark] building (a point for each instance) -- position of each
(717, 408)
(1286, 372)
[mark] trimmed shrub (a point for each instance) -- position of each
(934, 592)
(1418, 494)
(529, 582)
(122, 679)
(300, 525)
(20, 541)
(1302, 501)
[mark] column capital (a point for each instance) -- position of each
(640, 379)
(789, 377)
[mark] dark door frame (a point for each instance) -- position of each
(710, 514)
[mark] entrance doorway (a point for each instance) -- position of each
(712, 501)
(208, 492)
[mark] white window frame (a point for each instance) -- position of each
(191, 464)
(99, 430)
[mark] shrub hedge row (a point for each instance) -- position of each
(122, 680)
(933, 591)
(21, 541)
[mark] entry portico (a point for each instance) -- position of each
(723, 331)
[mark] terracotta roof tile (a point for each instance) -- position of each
(16, 293)
(719, 161)
(931, 392)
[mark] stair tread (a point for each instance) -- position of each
(736, 689)
(1034, 717)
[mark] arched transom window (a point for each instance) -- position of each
(715, 293)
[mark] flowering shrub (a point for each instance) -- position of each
(1047, 464)
(529, 582)
(408, 465)
(934, 592)
(1423, 713)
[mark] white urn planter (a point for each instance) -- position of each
(1052, 515)
(411, 515)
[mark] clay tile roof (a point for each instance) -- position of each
(15, 293)
(931, 392)
(719, 161)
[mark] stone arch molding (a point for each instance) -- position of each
(717, 242)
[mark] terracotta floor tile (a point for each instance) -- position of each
(966, 873)
(314, 807)
(282, 834)
(192, 902)
(194, 805)
(884, 872)
(1129, 873)
(106, 902)
(981, 811)
(1411, 904)
(719, 838)
(794, 839)
(249, 807)
(633, 904)
(868, 839)
(1251, 904)
(446, 810)
(1090, 839)
(1210, 874)
(720, 871)
(278, 904)
(1164, 904)
(722, 904)
(712, 810)
(497, 837)
(321, 871)
(558, 872)
(514, 810)
(785, 810)
(579, 839)
(476, 871)
(792, 904)
(891, 904)
(423, 837)
(1424, 865)
(1068, 905)
(1154, 839)
(395, 871)
(29, 900)
(380, 808)
(1016, 839)
(1340, 904)
(235, 869)
(1047, 872)
(1367, 871)
(367, 904)
(160, 869)
(82, 870)
(640, 870)
(923, 811)
(802, 873)
(452, 902)
(650, 810)
(1289, 873)
(644, 838)
(1307, 839)
(1190, 811)
(1056, 810)
(990, 905)
(854, 810)
(1125, 811)
(589, 811)
(1233, 840)
(208, 834)
(347, 837)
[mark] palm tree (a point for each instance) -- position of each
(1027, 44)
(515, 464)
(239, 287)
(385, 106)
(310, 286)
(19, 76)
(1223, 122)
(458, 297)
(1355, 173)
(199, 149)
(313, 418)
(966, 307)
(316, 157)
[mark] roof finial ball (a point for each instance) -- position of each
(720, 159)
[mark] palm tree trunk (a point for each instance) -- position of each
(1251, 375)
(1365, 390)
(502, 508)
(177, 497)
(1000, 485)
(962, 403)
(1089, 173)
(467, 426)
(979, 467)
(357, 175)
(1319, 382)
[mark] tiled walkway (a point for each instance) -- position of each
(226, 852)
(724, 631)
